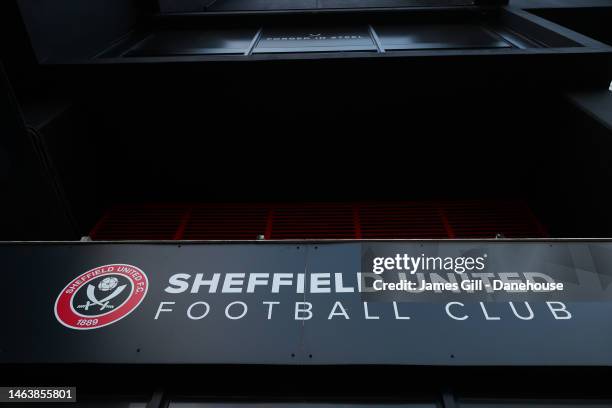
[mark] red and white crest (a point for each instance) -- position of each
(101, 296)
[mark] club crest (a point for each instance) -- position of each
(101, 296)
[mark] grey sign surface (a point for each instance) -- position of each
(301, 303)
(283, 40)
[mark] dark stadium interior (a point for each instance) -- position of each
(270, 120)
(137, 122)
(240, 143)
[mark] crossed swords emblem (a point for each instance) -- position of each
(103, 303)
